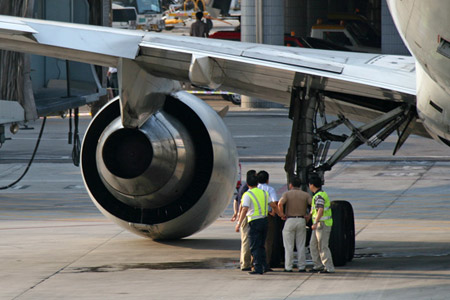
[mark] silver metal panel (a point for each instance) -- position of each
(207, 72)
(15, 28)
(11, 112)
(88, 40)
(68, 38)
(141, 94)
(289, 57)
(192, 44)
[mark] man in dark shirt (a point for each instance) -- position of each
(199, 28)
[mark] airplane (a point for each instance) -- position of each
(162, 164)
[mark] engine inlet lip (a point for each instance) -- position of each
(127, 153)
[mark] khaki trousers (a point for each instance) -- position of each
(294, 232)
(318, 246)
(246, 256)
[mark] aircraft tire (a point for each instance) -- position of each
(234, 98)
(342, 238)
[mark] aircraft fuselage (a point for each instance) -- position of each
(424, 27)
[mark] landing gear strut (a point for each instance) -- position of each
(308, 151)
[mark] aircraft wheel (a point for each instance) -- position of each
(234, 98)
(342, 238)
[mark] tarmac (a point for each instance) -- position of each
(56, 245)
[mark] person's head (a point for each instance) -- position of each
(252, 181)
(295, 182)
(199, 15)
(250, 173)
(315, 181)
(263, 177)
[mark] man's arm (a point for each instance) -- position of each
(274, 208)
(242, 215)
(235, 209)
(237, 201)
(281, 209)
(308, 205)
(273, 196)
(319, 215)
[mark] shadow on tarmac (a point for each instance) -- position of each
(205, 244)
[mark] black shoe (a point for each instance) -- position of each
(325, 271)
(315, 270)
(286, 270)
(246, 269)
(302, 270)
(268, 270)
(254, 273)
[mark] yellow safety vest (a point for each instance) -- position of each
(260, 200)
(326, 217)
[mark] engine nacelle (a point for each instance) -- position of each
(169, 178)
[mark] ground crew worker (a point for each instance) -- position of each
(294, 231)
(321, 228)
(255, 203)
(246, 256)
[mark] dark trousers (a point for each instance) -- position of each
(274, 242)
(257, 235)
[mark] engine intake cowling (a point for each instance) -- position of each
(169, 178)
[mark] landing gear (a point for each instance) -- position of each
(311, 138)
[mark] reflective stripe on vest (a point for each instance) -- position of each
(326, 217)
(259, 207)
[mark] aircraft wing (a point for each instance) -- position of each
(358, 80)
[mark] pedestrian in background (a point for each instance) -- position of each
(112, 82)
(199, 28)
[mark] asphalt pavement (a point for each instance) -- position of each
(55, 244)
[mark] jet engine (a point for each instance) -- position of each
(169, 178)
